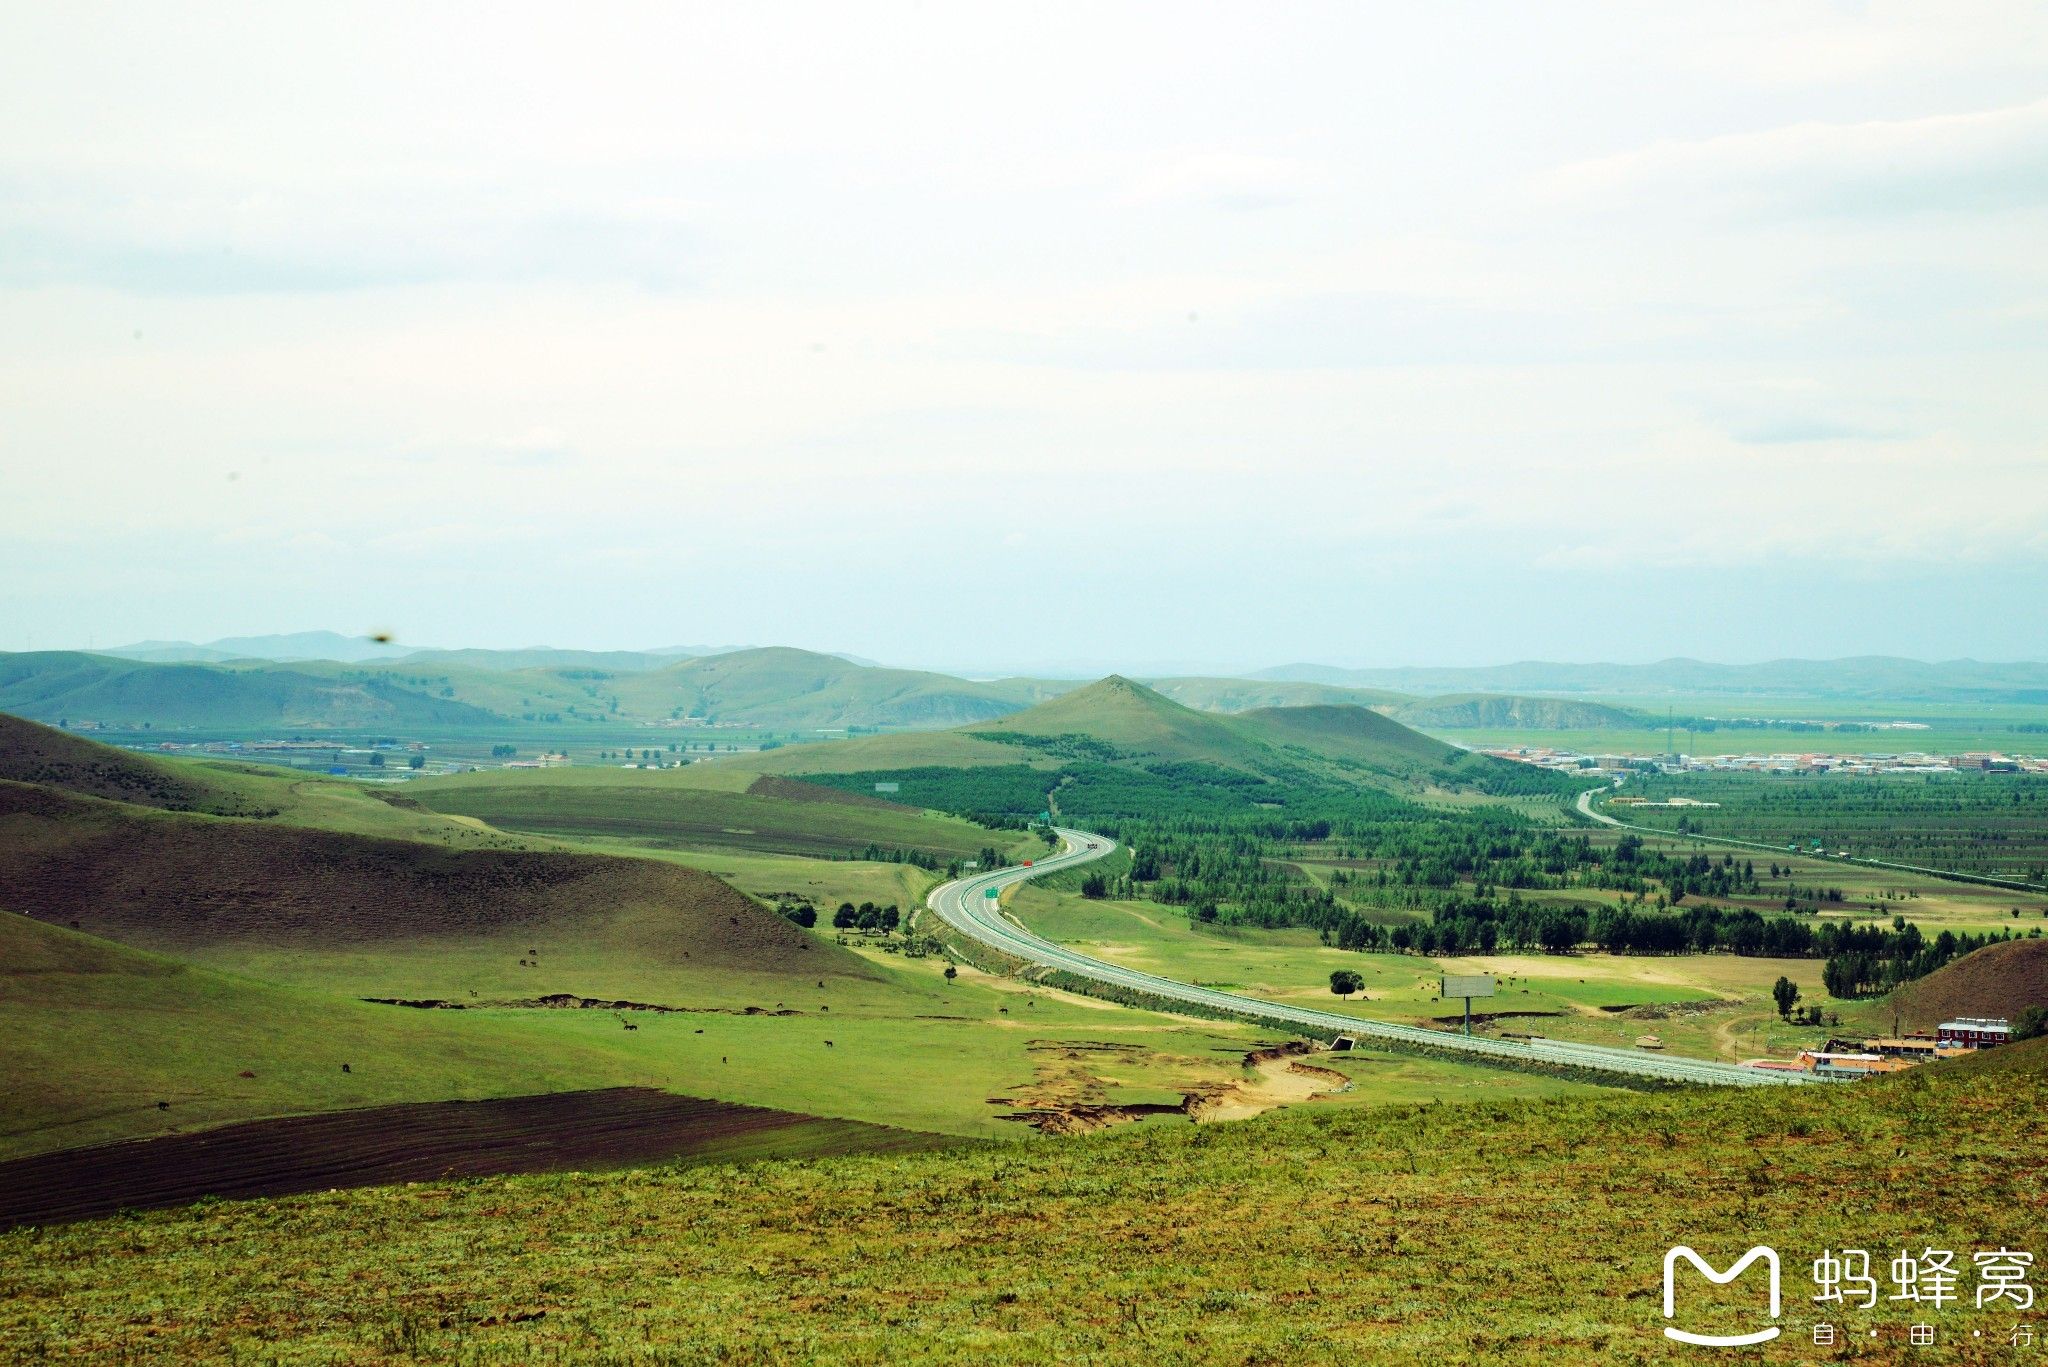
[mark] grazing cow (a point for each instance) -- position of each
(344, 1067)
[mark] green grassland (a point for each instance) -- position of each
(681, 808)
(1504, 1231)
(98, 1034)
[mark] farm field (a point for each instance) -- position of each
(1302, 1235)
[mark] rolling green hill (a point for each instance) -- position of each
(51, 686)
(40, 754)
(1460, 711)
(191, 884)
(1157, 753)
(774, 688)
(1116, 719)
(782, 687)
(30, 753)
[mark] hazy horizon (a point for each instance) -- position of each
(973, 339)
(1071, 667)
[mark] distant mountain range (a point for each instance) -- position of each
(224, 685)
(774, 687)
(1868, 676)
(298, 646)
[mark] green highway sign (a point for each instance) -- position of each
(991, 892)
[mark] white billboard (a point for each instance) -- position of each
(1467, 985)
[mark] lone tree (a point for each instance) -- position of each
(1784, 992)
(1095, 887)
(1345, 981)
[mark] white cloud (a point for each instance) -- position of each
(1229, 179)
(1947, 163)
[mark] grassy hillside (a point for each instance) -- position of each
(40, 754)
(800, 688)
(1119, 747)
(1997, 980)
(1463, 711)
(1134, 722)
(66, 685)
(181, 882)
(1504, 1232)
(56, 759)
(669, 808)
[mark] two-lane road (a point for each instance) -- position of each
(965, 904)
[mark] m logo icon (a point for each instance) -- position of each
(1770, 1259)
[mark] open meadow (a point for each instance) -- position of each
(1317, 1234)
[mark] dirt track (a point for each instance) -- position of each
(430, 1141)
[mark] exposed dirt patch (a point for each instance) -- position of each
(1067, 1097)
(1276, 1076)
(433, 1141)
(1660, 1011)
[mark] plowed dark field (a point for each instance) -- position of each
(433, 1141)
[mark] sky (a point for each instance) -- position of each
(992, 337)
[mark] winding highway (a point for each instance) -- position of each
(966, 905)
